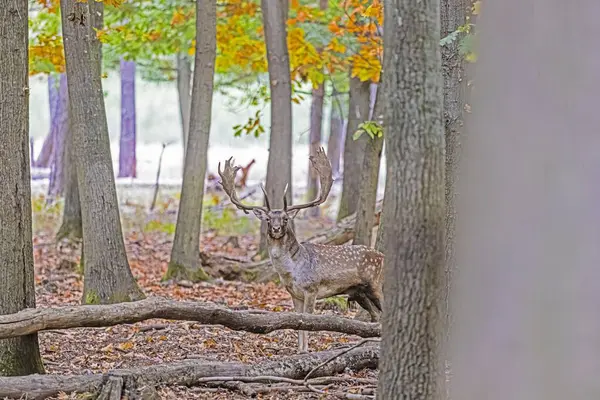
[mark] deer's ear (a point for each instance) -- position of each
(260, 214)
(292, 214)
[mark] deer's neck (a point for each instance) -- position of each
(285, 252)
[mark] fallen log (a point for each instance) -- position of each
(30, 321)
(188, 372)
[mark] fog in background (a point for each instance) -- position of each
(527, 299)
(158, 121)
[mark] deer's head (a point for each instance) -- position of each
(278, 220)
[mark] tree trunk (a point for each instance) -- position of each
(127, 142)
(453, 14)
(358, 112)
(45, 157)
(71, 226)
(56, 184)
(279, 166)
(369, 179)
(316, 122)
(185, 260)
(184, 79)
(335, 140)
(315, 135)
(107, 277)
(414, 246)
(18, 356)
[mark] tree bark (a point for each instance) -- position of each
(56, 184)
(369, 179)
(184, 79)
(34, 320)
(279, 166)
(453, 14)
(45, 157)
(127, 142)
(316, 123)
(336, 139)
(71, 226)
(354, 150)
(315, 135)
(414, 248)
(190, 373)
(107, 277)
(185, 260)
(18, 356)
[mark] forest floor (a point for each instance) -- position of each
(148, 238)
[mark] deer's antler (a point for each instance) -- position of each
(228, 184)
(320, 162)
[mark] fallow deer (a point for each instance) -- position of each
(313, 271)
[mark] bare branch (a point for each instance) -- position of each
(319, 162)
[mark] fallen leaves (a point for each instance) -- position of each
(58, 280)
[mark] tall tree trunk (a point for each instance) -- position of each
(369, 179)
(279, 166)
(56, 184)
(410, 366)
(18, 356)
(315, 135)
(335, 139)
(316, 123)
(184, 79)
(127, 142)
(453, 14)
(358, 112)
(185, 260)
(107, 277)
(45, 157)
(71, 226)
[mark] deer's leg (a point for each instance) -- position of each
(364, 302)
(299, 308)
(310, 299)
(375, 294)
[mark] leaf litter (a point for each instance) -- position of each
(98, 350)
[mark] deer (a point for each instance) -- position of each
(311, 271)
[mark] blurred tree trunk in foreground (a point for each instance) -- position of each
(526, 298)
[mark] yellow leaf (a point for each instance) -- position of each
(476, 7)
(126, 346)
(210, 343)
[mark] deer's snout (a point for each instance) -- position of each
(276, 229)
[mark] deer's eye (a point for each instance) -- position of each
(285, 219)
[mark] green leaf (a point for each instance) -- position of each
(371, 128)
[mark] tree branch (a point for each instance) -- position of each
(186, 373)
(34, 320)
